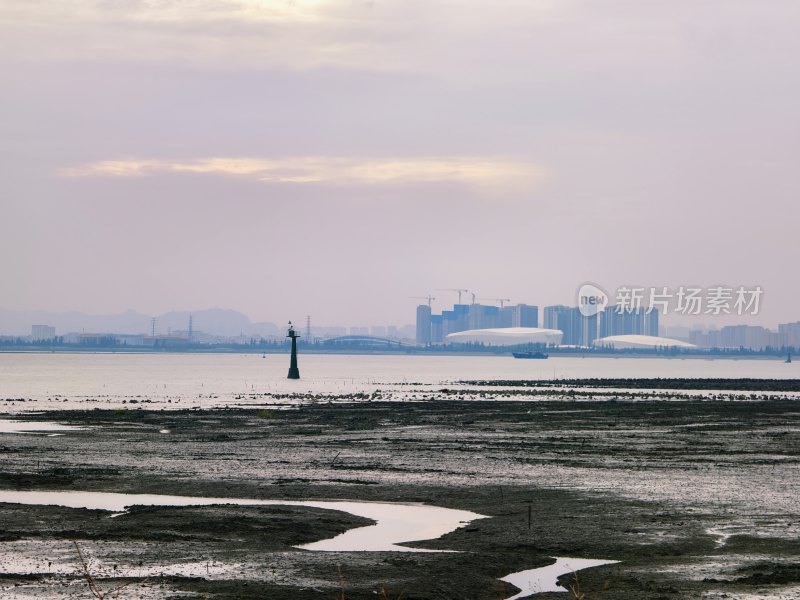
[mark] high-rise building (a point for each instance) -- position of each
(506, 316)
(588, 330)
(651, 323)
(526, 315)
(423, 325)
(462, 316)
(744, 336)
(449, 322)
(639, 321)
(474, 316)
(578, 329)
(569, 322)
(434, 329)
(789, 334)
(483, 317)
(43, 332)
(550, 315)
(437, 330)
(733, 337)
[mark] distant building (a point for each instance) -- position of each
(435, 329)
(651, 326)
(449, 322)
(705, 339)
(506, 316)
(567, 320)
(526, 315)
(639, 321)
(578, 330)
(733, 337)
(550, 315)
(676, 332)
(97, 339)
(423, 325)
(462, 316)
(743, 336)
(125, 339)
(482, 316)
(789, 335)
(171, 341)
(42, 333)
(589, 330)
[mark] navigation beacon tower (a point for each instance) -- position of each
(294, 372)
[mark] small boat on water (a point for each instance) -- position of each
(529, 354)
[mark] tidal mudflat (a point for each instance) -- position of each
(693, 498)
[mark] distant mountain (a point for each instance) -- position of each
(215, 321)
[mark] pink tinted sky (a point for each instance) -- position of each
(335, 158)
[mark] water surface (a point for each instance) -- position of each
(396, 523)
(545, 579)
(58, 381)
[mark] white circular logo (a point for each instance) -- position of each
(591, 299)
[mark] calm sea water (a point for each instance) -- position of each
(87, 380)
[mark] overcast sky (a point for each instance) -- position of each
(333, 158)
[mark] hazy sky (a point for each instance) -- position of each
(334, 158)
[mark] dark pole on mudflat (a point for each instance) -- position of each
(294, 372)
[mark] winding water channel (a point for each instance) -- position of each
(395, 524)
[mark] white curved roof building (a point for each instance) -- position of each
(619, 342)
(506, 336)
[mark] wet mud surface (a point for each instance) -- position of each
(697, 499)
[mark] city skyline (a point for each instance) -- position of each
(575, 330)
(162, 155)
(14, 322)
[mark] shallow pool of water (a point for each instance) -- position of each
(42, 427)
(545, 579)
(396, 523)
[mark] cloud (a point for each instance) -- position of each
(388, 171)
(173, 10)
(282, 34)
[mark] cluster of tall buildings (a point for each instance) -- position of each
(581, 330)
(752, 337)
(42, 333)
(434, 329)
(577, 329)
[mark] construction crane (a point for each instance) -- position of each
(429, 298)
(502, 301)
(459, 291)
